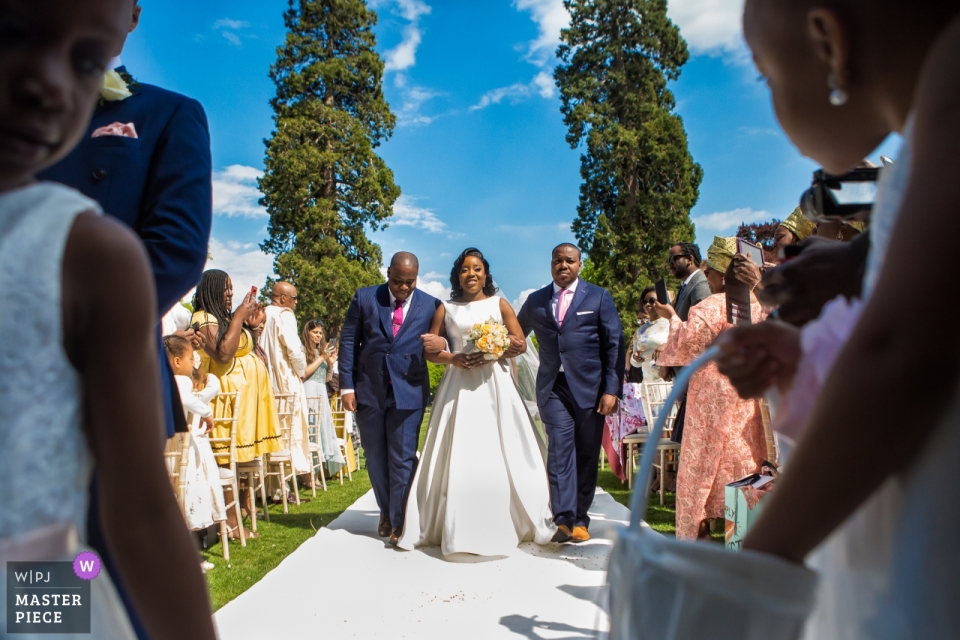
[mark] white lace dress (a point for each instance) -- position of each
(45, 464)
(481, 484)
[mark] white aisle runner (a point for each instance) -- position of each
(346, 583)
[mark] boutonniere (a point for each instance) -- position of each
(116, 86)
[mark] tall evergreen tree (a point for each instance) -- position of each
(639, 180)
(324, 183)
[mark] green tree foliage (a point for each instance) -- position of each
(436, 374)
(639, 180)
(324, 183)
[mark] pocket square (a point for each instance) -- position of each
(583, 313)
(116, 129)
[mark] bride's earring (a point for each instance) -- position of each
(838, 97)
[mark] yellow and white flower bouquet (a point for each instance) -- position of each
(490, 338)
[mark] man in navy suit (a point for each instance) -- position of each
(158, 183)
(579, 382)
(384, 378)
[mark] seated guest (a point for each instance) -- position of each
(229, 355)
(641, 367)
(203, 495)
(321, 359)
(723, 435)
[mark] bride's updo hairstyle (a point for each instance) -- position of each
(456, 290)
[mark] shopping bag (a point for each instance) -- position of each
(743, 502)
(666, 589)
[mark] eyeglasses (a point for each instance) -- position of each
(649, 301)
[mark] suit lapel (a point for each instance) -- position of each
(578, 297)
(386, 316)
(549, 305)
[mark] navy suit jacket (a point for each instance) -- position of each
(372, 359)
(159, 184)
(590, 344)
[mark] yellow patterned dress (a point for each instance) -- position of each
(258, 425)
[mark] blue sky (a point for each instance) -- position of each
(479, 151)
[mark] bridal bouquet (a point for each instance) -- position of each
(490, 338)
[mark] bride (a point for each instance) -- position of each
(481, 483)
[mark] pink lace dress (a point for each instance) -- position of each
(723, 436)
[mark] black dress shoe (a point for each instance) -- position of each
(394, 537)
(384, 529)
(563, 534)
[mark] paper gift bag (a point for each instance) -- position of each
(744, 500)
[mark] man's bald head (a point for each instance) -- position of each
(284, 295)
(402, 274)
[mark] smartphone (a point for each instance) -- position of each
(662, 296)
(753, 251)
(253, 292)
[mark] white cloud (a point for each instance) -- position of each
(404, 55)
(235, 192)
(728, 221)
(550, 16)
(413, 98)
(228, 28)
(437, 288)
(407, 214)
(227, 23)
(522, 298)
(513, 93)
(246, 265)
(709, 26)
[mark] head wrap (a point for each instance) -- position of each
(721, 252)
(798, 225)
(856, 224)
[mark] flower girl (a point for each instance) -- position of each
(79, 306)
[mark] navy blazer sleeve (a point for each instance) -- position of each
(612, 348)
(524, 318)
(351, 335)
(177, 207)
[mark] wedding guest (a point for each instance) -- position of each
(902, 578)
(229, 355)
(145, 158)
(842, 231)
(203, 503)
(649, 338)
(61, 370)
(684, 262)
(723, 436)
(794, 230)
(286, 365)
(321, 359)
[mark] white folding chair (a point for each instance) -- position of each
(278, 462)
(175, 456)
(653, 395)
(224, 407)
(314, 416)
(340, 428)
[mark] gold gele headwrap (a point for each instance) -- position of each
(721, 252)
(798, 225)
(856, 224)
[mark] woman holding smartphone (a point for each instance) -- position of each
(321, 356)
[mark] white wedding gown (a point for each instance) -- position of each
(481, 483)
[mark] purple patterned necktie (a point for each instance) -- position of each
(397, 317)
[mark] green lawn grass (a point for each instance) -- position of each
(278, 538)
(285, 532)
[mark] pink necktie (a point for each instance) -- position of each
(397, 317)
(563, 304)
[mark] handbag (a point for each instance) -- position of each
(667, 589)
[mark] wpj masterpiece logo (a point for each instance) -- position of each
(50, 597)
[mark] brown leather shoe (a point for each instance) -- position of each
(580, 534)
(384, 529)
(395, 537)
(563, 534)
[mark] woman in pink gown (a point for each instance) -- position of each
(723, 437)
